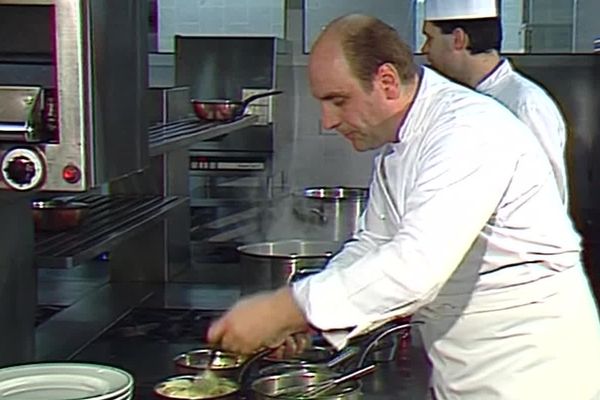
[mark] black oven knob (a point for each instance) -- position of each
(22, 169)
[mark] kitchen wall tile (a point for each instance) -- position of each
(219, 17)
(398, 13)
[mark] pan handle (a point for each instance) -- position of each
(258, 96)
(379, 334)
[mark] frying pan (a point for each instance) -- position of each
(58, 214)
(225, 110)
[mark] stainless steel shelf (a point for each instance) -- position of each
(111, 220)
(181, 134)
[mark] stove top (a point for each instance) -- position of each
(163, 325)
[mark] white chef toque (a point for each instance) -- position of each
(439, 10)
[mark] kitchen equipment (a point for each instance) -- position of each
(323, 387)
(276, 386)
(61, 381)
(226, 110)
(269, 265)
(335, 211)
(227, 369)
(58, 214)
(307, 365)
(58, 130)
(377, 337)
(312, 354)
(222, 363)
(188, 387)
(378, 345)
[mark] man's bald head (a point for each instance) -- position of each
(365, 43)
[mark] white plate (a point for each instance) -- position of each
(126, 396)
(64, 381)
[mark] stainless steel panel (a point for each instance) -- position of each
(169, 104)
(98, 64)
(72, 77)
(118, 83)
(20, 113)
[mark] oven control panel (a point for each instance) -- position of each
(203, 163)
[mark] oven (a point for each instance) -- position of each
(72, 78)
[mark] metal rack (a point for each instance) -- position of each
(111, 220)
(164, 138)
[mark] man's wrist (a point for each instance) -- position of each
(290, 310)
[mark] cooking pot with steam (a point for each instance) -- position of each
(269, 265)
(334, 212)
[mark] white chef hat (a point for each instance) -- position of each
(438, 10)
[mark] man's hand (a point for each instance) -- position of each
(259, 321)
(294, 344)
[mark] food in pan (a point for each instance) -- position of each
(196, 388)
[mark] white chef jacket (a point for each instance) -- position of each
(536, 109)
(464, 224)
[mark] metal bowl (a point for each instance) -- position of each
(58, 215)
(222, 363)
(161, 387)
(269, 387)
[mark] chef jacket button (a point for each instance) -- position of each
(382, 216)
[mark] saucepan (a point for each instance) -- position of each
(225, 110)
(310, 385)
(208, 374)
(58, 214)
(373, 346)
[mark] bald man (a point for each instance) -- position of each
(464, 229)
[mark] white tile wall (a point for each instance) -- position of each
(398, 13)
(512, 17)
(218, 17)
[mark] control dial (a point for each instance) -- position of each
(22, 169)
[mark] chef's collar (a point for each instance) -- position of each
(403, 119)
(492, 72)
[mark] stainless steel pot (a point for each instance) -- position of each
(221, 363)
(269, 387)
(269, 265)
(334, 210)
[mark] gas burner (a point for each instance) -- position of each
(163, 325)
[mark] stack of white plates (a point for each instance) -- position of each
(65, 381)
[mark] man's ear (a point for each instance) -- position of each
(460, 39)
(388, 80)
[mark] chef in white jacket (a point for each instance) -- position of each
(464, 228)
(463, 40)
